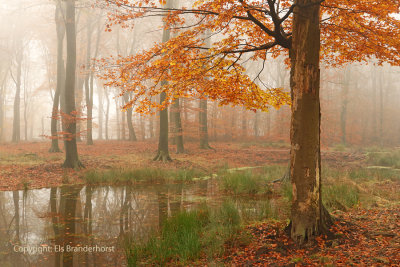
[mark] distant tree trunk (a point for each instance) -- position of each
(380, 107)
(16, 136)
(107, 112)
(60, 29)
(163, 153)
(118, 111)
(203, 125)
(123, 126)
(309, 218)
(26, 103)
(100, 98)
(244, 123)
(343, 113)
(151, 126)
(2, 104)
(178, 127)
(89, 90)
(142, 128)
(268, 133)
(374, 108)
(88, 87)
(71, 150)
(132, 134)
(256, 115)
(79, 107)
(214, 120)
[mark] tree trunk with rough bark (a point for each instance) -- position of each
(71, 150)
(309, 218)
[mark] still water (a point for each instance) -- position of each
(87, 225)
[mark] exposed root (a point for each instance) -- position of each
(76, 165)
(162, 156)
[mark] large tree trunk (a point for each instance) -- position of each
(71, 150)
(60, 28)
(308, 216)
(16, 134)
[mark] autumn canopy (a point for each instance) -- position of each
(241, 30)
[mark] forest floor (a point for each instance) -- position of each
(30, 165)
(367, 234)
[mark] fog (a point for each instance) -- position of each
(360, 101)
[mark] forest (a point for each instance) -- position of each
(199, 133)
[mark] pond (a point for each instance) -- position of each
(89, 225)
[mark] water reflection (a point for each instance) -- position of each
(86, 226)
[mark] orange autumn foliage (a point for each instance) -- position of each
(350, 31)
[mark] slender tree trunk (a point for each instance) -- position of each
(60, 29)
(107, 112)
(88, 88)
(163, 153)
(178, 127)
(132, 134)
(308, 216)
(244, 123)
(343, 113)
(2, 104)
(79, 107)
(151, 126)
(374, 108)
(118, 111)
(123, 126)
(26, 103)
(203, 125)
(381, 107)
(100, 113)
(71, 150)
(16, 136)
(142, 128)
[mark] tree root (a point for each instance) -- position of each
(162, 156)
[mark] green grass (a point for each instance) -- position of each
(244, 183)
(387, 159)
(187, 235)
(151, 175)
(340, 196)
(23, 159)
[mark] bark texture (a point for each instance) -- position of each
(71, 150)
(308, 216)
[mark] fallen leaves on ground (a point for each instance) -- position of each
(362, 238)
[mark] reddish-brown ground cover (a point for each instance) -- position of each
(362, 238)
(31, 164)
